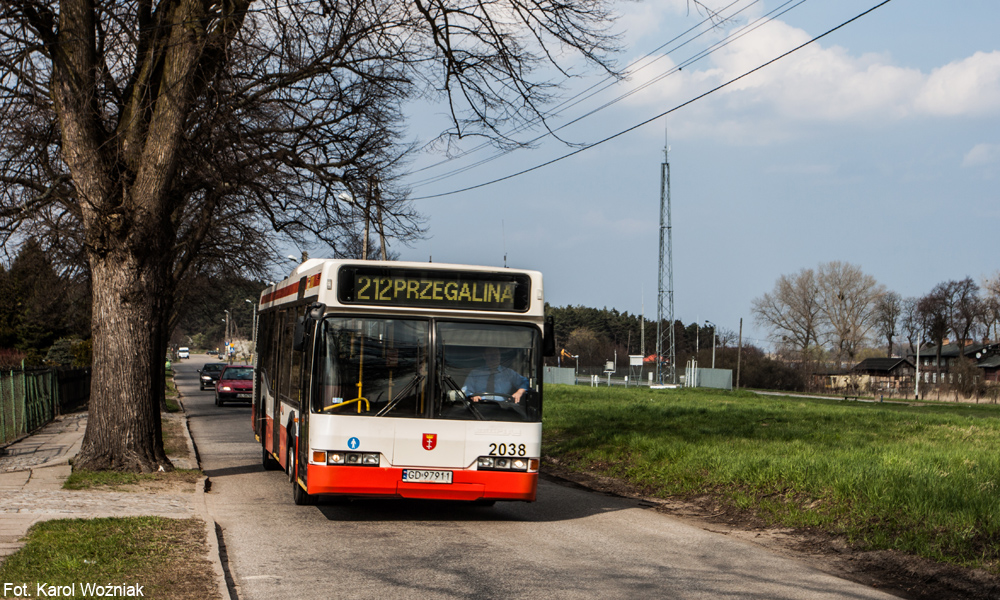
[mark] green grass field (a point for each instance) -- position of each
(921, 479)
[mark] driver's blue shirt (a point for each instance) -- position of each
(505, 381)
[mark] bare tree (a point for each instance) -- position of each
(888, 309)
(962, 308)
(135, 122)
(848, 299)
(933, 311)
(991, 306)
(910, 322)
(586, 344)
(791, 312)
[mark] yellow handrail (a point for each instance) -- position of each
(359, 400)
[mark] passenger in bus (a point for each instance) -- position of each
(494, 379)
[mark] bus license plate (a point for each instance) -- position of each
(422, 476)
(243, 395)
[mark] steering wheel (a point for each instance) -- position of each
(496, 398)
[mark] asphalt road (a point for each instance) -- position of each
(569, 544)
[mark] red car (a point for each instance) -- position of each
(235, 384)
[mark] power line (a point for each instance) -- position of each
(580, 97)
(662, 114)
(749, 28)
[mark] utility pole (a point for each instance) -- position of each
(368, 204)
(378, 207)
(714, 327)
(739, 355)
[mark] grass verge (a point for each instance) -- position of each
(125, 482)
(170, 394)
(920, 479)
(156, 553)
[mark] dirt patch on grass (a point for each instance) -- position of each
(187, 575)
(897, 573)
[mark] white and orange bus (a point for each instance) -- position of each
(402, 379)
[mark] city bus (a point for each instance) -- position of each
(402, 380)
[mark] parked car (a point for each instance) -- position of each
(212, 353)
(183, 353)
(235, 384)
(210, 374)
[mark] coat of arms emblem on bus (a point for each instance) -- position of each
(430, 441)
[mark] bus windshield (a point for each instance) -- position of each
(386, 368)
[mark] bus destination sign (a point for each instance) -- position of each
(425, 288)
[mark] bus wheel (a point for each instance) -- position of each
(299, 495)
(268, 461)
(290, 462)
(302, 497)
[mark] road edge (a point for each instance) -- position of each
(201, 508)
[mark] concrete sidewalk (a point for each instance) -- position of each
(32, 472)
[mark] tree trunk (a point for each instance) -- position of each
(123, 428)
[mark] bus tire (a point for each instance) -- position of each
(268, 461)
(302, 497)
(290, 462)
(299, 495)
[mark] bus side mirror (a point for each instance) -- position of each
(304, 325)
(549, 337)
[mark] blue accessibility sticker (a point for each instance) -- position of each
(353, 443)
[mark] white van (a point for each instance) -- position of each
(183, 353)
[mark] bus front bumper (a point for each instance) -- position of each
(388, 482)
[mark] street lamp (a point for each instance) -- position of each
(713, 341)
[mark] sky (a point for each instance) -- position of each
(878, 145)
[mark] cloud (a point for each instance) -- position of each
(819, 84)
(982, 155)
(967, 87)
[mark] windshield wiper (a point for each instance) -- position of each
(472, 409)
(413, 385)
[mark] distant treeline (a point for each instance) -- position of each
(595, 334)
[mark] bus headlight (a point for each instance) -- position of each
(337, 457)
(505, 463)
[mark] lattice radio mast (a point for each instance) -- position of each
(666, 248)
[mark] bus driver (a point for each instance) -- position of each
(494, 379)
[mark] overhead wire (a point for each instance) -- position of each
(662, 114)
(573, 100)
(739, 33)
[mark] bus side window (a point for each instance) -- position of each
(285, 356)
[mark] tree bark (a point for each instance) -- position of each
(123, 429)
